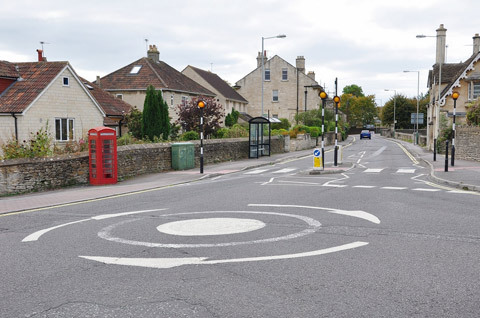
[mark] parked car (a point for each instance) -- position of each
(365, 134)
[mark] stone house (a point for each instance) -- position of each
(228, 97)
(130, 82)
(463, 78)
(287, 89)
(33, 94)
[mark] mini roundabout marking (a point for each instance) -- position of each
(216, 226)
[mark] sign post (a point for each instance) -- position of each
(317, 160)
(201, 105)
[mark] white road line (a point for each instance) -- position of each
(364, 186)
(35, 236)
(426, 190)
(335, 185)
(285, 170)
(258, 171)
(163, 263)
(358, 214)
(372, 170)
(298, 182)
(393, 188)
(406, 170)
(269, 181)
(460, 192)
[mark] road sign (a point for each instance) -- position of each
(317, 159)
(413, 119)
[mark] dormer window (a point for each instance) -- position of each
(66, 81)
(135, 69)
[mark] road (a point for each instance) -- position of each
(378, 240)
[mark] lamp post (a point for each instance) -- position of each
(394, 105)
(437, 111)
(455, 96)
(280, 36)
(418, 99)
(324, 97)
(336, 99)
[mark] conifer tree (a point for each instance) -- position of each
(151, 118)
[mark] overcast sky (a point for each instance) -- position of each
(368, 43)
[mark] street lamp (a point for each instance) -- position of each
(418, 98)
(280, 36)
(437, 112)
(394, 104)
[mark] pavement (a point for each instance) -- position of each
(465, 175)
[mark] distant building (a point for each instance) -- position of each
(463, 77)
(286, 88)
(228, 97)
(130, 82)
(33, 94)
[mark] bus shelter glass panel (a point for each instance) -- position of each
(259, 137)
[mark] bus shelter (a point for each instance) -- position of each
(259, 137)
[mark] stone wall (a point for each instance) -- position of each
(27, 175)
(467, 143)
(304, 141)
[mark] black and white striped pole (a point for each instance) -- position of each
(324, 97)
(201, 104)
(455, 96)
(336, 99)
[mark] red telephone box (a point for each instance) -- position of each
(102, 151)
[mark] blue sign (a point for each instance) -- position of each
(316, 153)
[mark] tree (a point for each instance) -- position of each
(164, 118)
(151, 119)
(353, 89)
(404, 107)
(189, 115)
(232, 118)
(134, 123)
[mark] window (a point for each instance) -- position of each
(284, 74)
(135, 69)
(275, 95)
(66, 81)
(184, 100)
(119, 96)
(267, 74)
(474, 90)
(171, 100)
(64, 129)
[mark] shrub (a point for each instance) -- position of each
(39, 145)
(473, 113)
(221, 133)
(190, 135)
(279, 132)
(285, 124)
(236, 131)
(314, 132)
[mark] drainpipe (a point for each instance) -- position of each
(16, 127)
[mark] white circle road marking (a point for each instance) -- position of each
(210, 226)
(312, 223)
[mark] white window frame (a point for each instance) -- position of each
(135, 70)
(171, 100)
(119, 96)
(471, 90)
(67, 80)
(284, 74)
(267, 78)
(64, 129)
(275, 95)
(184, 100)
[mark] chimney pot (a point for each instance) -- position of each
(98, 82)
(40, 55)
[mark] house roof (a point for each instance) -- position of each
(454, 73)
(111, 105)
(8, 70)
(219, 84)
(34, 78)
(159, 74)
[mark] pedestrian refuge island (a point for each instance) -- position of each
(259, 137)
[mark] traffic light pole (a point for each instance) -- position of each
(201, 105)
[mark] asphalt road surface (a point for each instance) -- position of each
(378, 240)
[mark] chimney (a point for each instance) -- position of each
(300, 63)
(40, 55)
(311, 75)
(441, 42)
(99, 84)
(153, 53)
(259, 58)
(476, 43)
